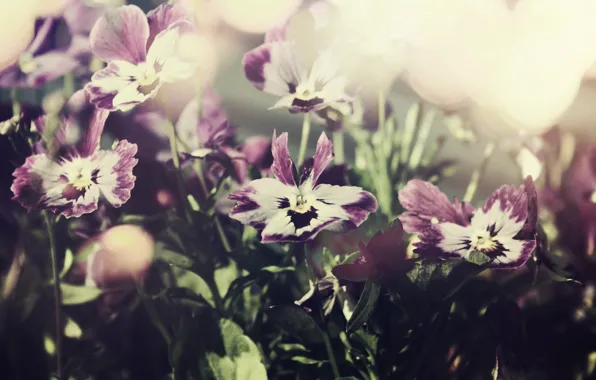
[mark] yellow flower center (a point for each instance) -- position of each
(303, 204)
(483, 242)
(81, 181)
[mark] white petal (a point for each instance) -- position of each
(504, 225)
(456, 239)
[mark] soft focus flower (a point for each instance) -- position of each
(503, 229)
(141, 52)
(38, 65)
(256, 16)
(382, 258)
(278, 69)
(257, 150)
(118, 255)
(18, 23)
(72, 183)
(290, 210)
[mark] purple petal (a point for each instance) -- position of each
(121, 34)
(90, 140)
(257, 150)
(424, 201)
(509, 200)
(530, 189)
(115, 178)
(350, 204)
(80, 17)
(51, 66)
(261, 201)
(282, 166)
(322, 158)
(162, 17)
(304, 235)
(274, 68)
(211, 130)
(109, 82)
(27, 185)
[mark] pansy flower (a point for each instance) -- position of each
(142, 53)
(278, 69)
(502, 229)
(72, 182)
(41, 62)
(290, 209)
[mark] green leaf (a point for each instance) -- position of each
(172, 257)
(295, 321)
(242, 360)
(76, 295)
(478, 258)
(305, 360)
(276, 269)
(186, 297)
(68, 260)
(424, 272)
(365, 306)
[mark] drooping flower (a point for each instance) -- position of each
(381, 258)
(142, 53)
(41, 62)
(72, 182)
(278, 69)
(502, 229)
(293, 209)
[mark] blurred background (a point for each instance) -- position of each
(507, 69)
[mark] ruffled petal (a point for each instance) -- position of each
(530, 189)
(114, 175)
(508, 200)
(349, 204)
(162, 17)
(282, 167)
(424, 201)
(121, 34)
(313, 169)
(261, 201)
(41, 183)
(274, 68)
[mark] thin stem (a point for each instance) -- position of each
(304, 139)
(479, 172)
(384, 190)
(338, 147)
(69, 85)
(326, 339)
(330, 354)
(57, 293)
(222, 235)
(16, 105)
(176, 160)
(153, 314)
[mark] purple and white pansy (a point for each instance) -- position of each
(72, 182)
(278, 69)
(502, 229)
(289, 209)
(142, 53)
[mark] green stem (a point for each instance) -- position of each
(326, 339)
(153, 314)
(338, 147)
(330, 354)
(384, 190)
(179, 180)
(304, 139)
(57, 293)
(69, 85)
(479, 172)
